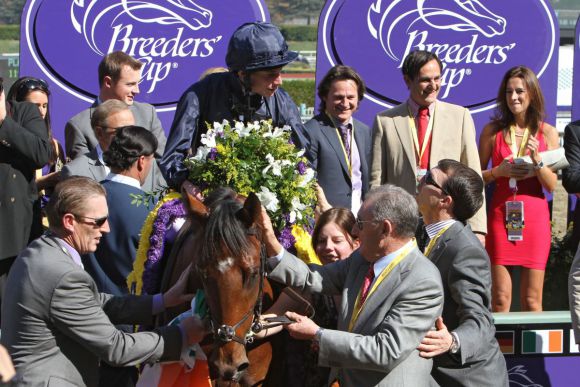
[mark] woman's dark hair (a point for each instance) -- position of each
(339, 73)
(130, 143)
(535, 113)
(26, 85)
(342, 217)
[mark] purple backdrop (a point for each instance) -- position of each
(63, 42)
(476, 40)
(576, 75)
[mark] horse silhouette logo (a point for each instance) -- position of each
(86, 15)
(384, 19)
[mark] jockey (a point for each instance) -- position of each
(249, 91)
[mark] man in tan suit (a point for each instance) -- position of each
(413, 136)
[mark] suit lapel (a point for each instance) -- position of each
(444, 239)
(401, 122)
(329, 131)
(439, 133)
(360, 142)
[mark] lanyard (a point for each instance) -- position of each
(433, 240)
(384, 274)
(518, 153)
(346, 156)
(419, 152)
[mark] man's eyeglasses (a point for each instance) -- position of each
(96, 221)
(428, 179)
(360, 223)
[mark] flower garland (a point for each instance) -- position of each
(303, 245)
(151, 243)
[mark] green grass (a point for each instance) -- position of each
(302, 46)
(9, 46)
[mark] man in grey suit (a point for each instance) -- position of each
(340, 145)
(119, 76)
(464, 349)
(412, 136)
(106, 119)
(56, 325)
(391, 296)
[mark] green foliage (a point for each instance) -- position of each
(9, 32)
(557, 269)
(256, 157)
(300, 33)
(301, 91)
(149, 198)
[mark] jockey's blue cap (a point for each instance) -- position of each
(258, 45)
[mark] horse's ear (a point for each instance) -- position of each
(251, 211)
(196, 207)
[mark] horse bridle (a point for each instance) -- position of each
(224, 333)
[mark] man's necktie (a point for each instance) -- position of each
(345, 135)
(369, 277)
(422, 130)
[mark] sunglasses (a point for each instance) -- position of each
(32, 84)
(98, 222)
(428, 179)
(360, 223)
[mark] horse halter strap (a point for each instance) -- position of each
(226, 333)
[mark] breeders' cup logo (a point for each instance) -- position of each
(477, 42)
(175, 39)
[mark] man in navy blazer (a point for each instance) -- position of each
(340, 146)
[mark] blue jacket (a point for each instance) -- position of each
(213, 99)
(113, 261)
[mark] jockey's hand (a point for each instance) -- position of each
(190, 189)
(322, 204)
(175, 296)
(194, 329)
(273, 247)
(303, 328)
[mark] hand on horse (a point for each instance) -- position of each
(194, 329)
(175, 296)
(273, 247)
(303, 328)
(192, 190)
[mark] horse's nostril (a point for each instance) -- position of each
(242, 367)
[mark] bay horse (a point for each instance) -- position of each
(222, 240)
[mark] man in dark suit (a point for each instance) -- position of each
(106, 119)
(391, 296)
(24, 147)
(57, 325)
(571, 175)
(119, 76)
(464, 348)
(340, 145)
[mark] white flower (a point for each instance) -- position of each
(301, 152)
(308, 175)
(202, 152)
(275, 165)
(268, 199)
(242, 130)
(218, 128)
(208, 139)
(277, 132)
(296, 209)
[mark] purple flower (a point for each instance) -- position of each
(301, 167)
(165, 216)
(286, 238)
(212, 154)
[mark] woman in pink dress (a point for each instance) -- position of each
(518, 130)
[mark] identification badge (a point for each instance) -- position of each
(420, 174)
(514, 220)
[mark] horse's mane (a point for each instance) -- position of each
(224, 233)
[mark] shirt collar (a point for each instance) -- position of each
(433, 228)
(100, 153)
(414, 107)
(339, 124)
(383, 262)
(123, 179)
(71, 251)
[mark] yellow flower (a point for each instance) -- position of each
(135, 278)
(303, 245)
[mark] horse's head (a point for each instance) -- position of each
(231, 266)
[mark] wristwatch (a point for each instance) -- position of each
(455, 344)
(318, 335)
(539, 165)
